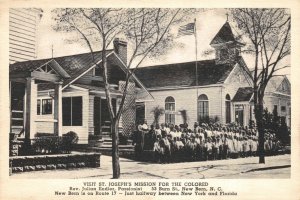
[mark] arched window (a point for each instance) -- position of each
(203, 108)
(170, 110)
(228, 108)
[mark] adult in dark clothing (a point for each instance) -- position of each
(137, 142)
(150, 138)
(143, 130)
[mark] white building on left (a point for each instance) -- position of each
(23, 33)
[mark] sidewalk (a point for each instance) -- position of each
(275, 167)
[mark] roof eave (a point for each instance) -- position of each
(184, 87)
(79, 76)
(213, 44)
(124, 68)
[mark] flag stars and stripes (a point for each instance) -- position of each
(188, 29)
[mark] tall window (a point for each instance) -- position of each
(72, 111)
(228, 108)
(275, 108)
(38, 110)
(170, 110)
(203, 108)
(44, 106)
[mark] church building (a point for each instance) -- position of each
(57, 95)
(219, 89)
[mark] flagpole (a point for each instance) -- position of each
(196, 65)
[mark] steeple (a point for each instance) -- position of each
(227, 47)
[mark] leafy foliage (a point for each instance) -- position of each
(68, 141)
(184, 116)
(269, 34)
(157, 113)
(209, 120)
(276, 124)
(146, 30)
(54, 144)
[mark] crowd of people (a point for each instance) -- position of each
(173, 143)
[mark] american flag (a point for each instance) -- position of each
(188, 29)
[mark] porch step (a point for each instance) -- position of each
(109, 143)
(108, 148)
(105, 130)
(17, 111)
(16, 129)
(19, 119)
(127, 152)
(105, 147)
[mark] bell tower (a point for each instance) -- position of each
(227, 48)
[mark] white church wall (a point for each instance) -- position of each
(237, 78)
(185, 99)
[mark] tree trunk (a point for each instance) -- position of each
(261, 132)
(115, 148)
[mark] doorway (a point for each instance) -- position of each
(239, 115)
(105, 118)
(140, 112)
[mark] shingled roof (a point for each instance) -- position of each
(74, 65)
(243, 94)
(183, 74)
(224, 35)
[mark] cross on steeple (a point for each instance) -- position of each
(227, 17)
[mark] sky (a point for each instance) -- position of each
(208, 24)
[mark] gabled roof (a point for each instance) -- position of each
(56, 68)
(243, 94)
(276, 83)
(73, 65)
(224, 35)
(183, 74)
(71, 68)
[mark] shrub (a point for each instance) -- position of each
(204, 120)
(68, 141)
(157, 112)
(46, 145)
(276, 124)
(39, 134)
(72, 136)
(54, 144)
(184, 116)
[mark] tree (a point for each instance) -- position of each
(157, 113)
(147, 30)
(268, 32)
(275, 124)
(184, 116)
